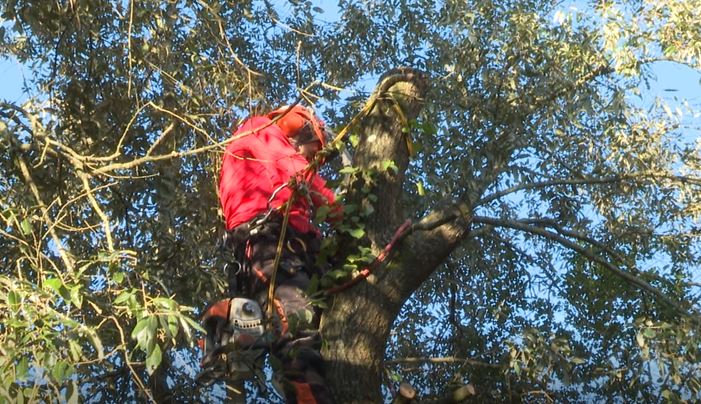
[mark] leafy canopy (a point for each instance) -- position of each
(580, 278)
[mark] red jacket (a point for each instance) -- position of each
(259, 163)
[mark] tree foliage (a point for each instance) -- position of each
(555, 248)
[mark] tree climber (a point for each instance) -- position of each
(265, 167)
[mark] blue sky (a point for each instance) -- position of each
(12, 72)
(673, 81)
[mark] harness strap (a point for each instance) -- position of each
(260, 275)
(284, 325)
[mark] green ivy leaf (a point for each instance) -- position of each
(337, 274)
(357, 232)
(313, 285)
(390, 166)
(322, 213)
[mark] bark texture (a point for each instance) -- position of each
(356, 326)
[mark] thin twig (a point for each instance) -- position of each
(131, 20)
(128, 362)
(98, 210)
(67, 261)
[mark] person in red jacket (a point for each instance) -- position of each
(265, 166)
(260, 161)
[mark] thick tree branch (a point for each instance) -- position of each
(450, 359)
(593, 73)
(633, 177)
(574, 234)
(587, 253)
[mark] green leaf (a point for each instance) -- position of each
(54, 283)
(76, 296)
(322, 213)
(187, 324)
(97, 343)
(59, 288)
(22, 368)
(72, 396)
(154, 359)
(144, 333)
(357, 232)
(348, 170)
(118, 277)
(354, 139)
(173, 326)
(60, 371)
(13, 300)
(169, 324)
(313, 285)
(76, 351)
(420, 188)
(165, 302)
(123, 297)
(26, 227)
(578, 361)
(390, 166)
(337, 274)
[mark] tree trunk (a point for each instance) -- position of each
(356, 326)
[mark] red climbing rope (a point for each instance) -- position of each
(365, 272)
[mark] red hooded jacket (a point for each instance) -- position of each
(260, 164)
